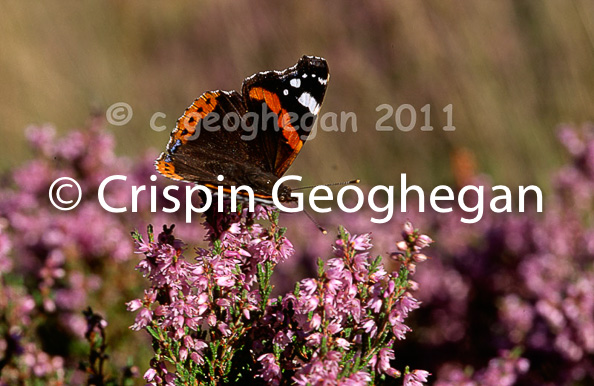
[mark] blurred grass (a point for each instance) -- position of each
(512, 70)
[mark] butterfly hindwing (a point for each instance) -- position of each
(200, 147)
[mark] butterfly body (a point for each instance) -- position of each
(249, 138)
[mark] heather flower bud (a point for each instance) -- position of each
(412, 268)
(408, 229)
(183, 353)
(419, 257)
(423, 241)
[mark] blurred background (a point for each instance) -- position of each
(513, 72)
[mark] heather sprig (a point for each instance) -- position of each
(199, 313)
(95, 368)
(56, 263)
(21, 357)
(213, 321)
(353, 312)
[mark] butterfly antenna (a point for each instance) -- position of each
(317, 224)
(332, 184)
(321, 228)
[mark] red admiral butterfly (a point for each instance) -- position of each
(271, 118)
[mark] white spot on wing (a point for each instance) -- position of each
(322, 80)
(310, 102)
(304, 99)
(304, 76)
(295, 82)
(286, 92)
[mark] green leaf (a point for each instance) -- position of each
(136, 236)
(274, 217)
(296, 290)
(155, 333)
(342, 233)
(320, 267)
(151, 235)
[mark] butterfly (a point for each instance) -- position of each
(231, 138)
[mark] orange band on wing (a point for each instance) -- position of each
(186, 124)
(271, 99)
(167, 169)
(284, 122)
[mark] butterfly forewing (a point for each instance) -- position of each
(294, 97)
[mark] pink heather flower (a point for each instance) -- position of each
(502, 370)
(334, 328)
(335, 267)
(225, 281)
(360, 378)
(333, 285)
(310, 304)
(361, 242)
(225, 303)
(399, 329)
(286, 249)
(134, 305)
(407, 303)
(390, 290)
(41, 138)
(343, 343)
(551, 314)
(143, 319)
(415, 378)
(339, 248)
(197, 358)
(309, 286)
(270, 370)
(183, 354)
(314, 340)
(569, 138)
(320, 370)
(283, 338)
(370, 327)
(375, 304)
(315, 322)
(378, 275)
(224, 329)
(385, 356)
(40, 364)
